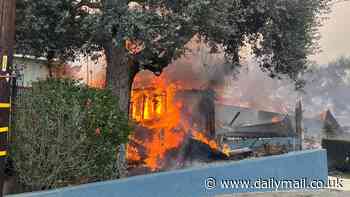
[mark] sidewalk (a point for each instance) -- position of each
(293, 194)
(346, 184)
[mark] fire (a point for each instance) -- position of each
(156, 109)
(226, 149)
(276, 119)
(201, 137)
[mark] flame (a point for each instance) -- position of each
(276, 119)
(226, 149)
(155, 108)
(133, 153)
(201, 137)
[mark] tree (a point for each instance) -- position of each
(281, 32)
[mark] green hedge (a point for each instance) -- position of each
(67, 134)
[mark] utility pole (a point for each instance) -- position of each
(7, 41)
(299, 124)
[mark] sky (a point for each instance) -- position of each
(335, 34)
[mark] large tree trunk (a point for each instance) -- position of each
(120, 74)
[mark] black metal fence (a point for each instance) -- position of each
(338, 154)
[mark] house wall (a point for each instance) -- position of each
(86, 70)
(31, 70)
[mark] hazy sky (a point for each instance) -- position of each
(335, 34)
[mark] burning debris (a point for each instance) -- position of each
(197, 151)
(169, 116)
(178, 126)
(254, 132)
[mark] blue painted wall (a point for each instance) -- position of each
(191, 182)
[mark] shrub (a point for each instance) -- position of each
(66, 134)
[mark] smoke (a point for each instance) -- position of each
(245, 86)
(248, 86)
(197, 68)
(328, 87)
(255, 89)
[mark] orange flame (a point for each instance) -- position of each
(202, 138)
(276, 119)
(156, 109)
(226, 149)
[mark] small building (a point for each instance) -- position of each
(31, 69)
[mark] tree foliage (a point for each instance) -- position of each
(67, 134)
(282, 32)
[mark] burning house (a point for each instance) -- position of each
(168, 117)
(185, 116)
(178, 125)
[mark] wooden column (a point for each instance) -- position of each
(7, 41)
